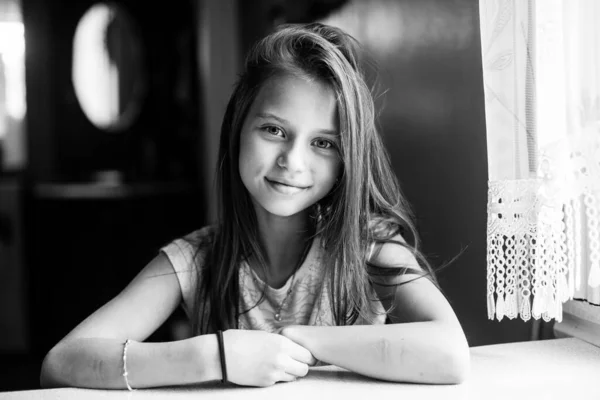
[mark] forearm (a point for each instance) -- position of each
(425, 352)
(98, 363)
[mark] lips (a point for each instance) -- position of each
(285, 187)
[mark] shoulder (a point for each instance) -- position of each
(388, 246)
(382, 227)
(197, 239)
(393, 253)
(389, 256)
(200, 236)
(187, 256)
(190, 249)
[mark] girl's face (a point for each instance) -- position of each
(289, 144)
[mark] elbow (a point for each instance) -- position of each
(49, 372)
(447, 363)
(456, 365)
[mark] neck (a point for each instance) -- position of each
(284, 240)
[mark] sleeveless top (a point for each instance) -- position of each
(307, 304)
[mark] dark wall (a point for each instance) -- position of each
(83, 241)
(434, 128)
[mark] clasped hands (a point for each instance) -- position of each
(259, 358)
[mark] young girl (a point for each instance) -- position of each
(314, 257)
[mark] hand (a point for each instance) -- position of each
(301, 334)
(258, 358)
(297, 334)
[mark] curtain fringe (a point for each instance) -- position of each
(535, 257)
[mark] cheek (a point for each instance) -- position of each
(245, 159)
(331, 169)
(252, 158)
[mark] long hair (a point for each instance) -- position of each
(365, 206)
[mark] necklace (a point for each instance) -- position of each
(289, 291)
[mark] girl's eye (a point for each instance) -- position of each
(273, 130)
(323, 144)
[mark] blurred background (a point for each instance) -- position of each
(109, 125)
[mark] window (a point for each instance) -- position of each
(12, 87)
(541, 67)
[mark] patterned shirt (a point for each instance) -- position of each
(307, 304)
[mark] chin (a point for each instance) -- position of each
(283, 211)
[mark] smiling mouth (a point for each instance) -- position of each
(284, 188)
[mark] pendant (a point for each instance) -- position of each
(278, 317)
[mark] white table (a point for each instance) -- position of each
(551, 369)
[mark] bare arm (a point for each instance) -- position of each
(92, 354)
(424, 344)
(421, 352)
(98, 363)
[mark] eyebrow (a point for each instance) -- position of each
(283, 121)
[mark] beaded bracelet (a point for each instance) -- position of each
(125, 373)
(222, 356)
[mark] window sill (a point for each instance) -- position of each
(580, 320)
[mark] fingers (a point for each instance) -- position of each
(296, 368)
(313, 361)
(285, 377)
(300, 353)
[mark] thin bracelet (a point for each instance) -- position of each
(125, 373)
(222, 355)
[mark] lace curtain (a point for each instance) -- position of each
(541, 70)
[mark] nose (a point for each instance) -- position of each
(293, 157)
